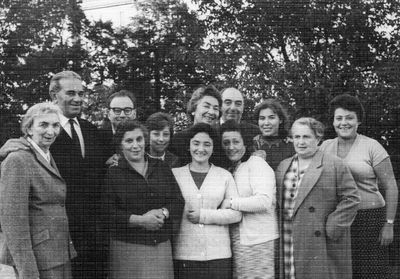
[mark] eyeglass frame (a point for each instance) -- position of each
(122, 110)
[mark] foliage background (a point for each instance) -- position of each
(303, 52)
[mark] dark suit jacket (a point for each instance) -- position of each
(32, 213)
(324, 210)
(82, 175)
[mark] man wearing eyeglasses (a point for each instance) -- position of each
(121, 106)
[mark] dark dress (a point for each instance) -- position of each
(276, 149)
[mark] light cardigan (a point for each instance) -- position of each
(208, 240)
(256, 185)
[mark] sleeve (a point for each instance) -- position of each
(14, 214)
(262, 183)
(377, 153)
(223, 216)
(348, 199)
(12, 145)
(175, 201)
(116, 218)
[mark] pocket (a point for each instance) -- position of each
(40, 237)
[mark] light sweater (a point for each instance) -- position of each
(208, 240)
(256, 185)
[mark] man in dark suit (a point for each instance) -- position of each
(78, 155)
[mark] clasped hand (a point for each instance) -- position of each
(153, 220)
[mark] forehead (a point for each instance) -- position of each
(342, 111)
(164, 130)
(231, 135)
(267, 112)
(301, 129)
(232, 94)
(47, 117)
(202, 137)
(121, 102)
(208, 99)
(134, 133)
(71, 84)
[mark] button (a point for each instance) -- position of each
(199, 196)
(294, 185)
(292, 195)
(203, 254)
(311, 209)
(155, 241)
(317, 233)
(152, 194)
(70, 242)
(201, 225)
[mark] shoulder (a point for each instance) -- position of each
(86, 124)
(220, 172)
(283, 163)
(364, 140)
(180, 169)
(327, 143)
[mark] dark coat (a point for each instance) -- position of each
(33, 214)
(325, 207)
(127, 192)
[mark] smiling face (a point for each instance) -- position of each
(121, 108)
(268, 122)
(345, 123)
(201, 148)
(44, 130)
(207, 110)
(232, 105)
(133, 146)
(159, 141)
(304, 140)
(70, 97)
(233, 145)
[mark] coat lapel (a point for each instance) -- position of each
(47, 165)
(309, 180)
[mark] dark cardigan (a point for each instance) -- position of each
(127, 192)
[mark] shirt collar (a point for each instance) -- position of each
(45, 155)
(64, 120)
(162, 157)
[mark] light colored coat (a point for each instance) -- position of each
(208, 240)
(325, 207)
(32, 213)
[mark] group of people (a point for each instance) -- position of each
(224, 198)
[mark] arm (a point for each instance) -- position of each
(119, 219)
(262, 182)
(12, 145)
(222, 216)
(14, 214)
(348, 199)
(384, 172)
(175, 201)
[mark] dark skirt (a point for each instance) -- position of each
(370, 259)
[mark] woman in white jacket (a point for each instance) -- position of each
(253, 238)
(202, 249)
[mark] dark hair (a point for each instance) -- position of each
(200, 93)
(277, 108)
(347, 102)
(232, 126)
(158, 121)
(204, 128)
(127, 126)
(121, 93)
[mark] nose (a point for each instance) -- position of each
(77, 98)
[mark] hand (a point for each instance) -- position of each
(386, 234)
(113, 160)
(152, 220)
(226, 204)
(12, 145)
(194, 215)
(260, 153)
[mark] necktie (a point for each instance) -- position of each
(75, 138)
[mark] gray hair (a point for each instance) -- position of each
(314, 125)
(36, 111)
(55, 86)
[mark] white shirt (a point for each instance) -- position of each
(67, 127)
(45, 155)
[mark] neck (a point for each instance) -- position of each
(154, 153)
(346, 141)
(199, 167)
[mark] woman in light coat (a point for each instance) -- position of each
(318, 201)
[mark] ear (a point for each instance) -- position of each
(29, 131)
(134, 114)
